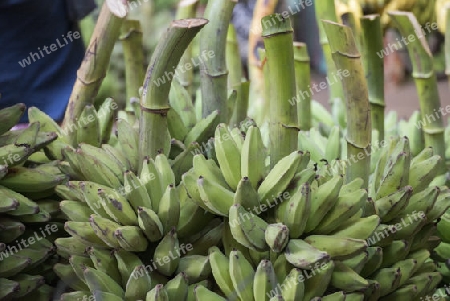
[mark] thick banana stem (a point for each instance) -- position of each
(186, 9)
(133, 53)
(213, 69)
(371, 42)
(258, 104)
(283, 128)
(447, 41)
(359, 129)
(155, 94)
(303, 80)
(326, 10)
(425, 80)
(93, 68)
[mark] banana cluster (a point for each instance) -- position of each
(28, 209)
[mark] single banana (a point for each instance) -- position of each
(23, 180)
(89, 130)
(158, 293)
(203, 129)
(150, 223)
(195, 267)
(137, 287)
(422, 201)
(253, 228)
(177, 287)
(11, 116)
(337, 247)
(106, 159)
(294, 212)
(151, 179)
(83, 232)
(277, 237)
(216, 198)
(68, 277)
(388, 278)
(317, 283)
(363, 228)
(169, 246)
(169, 209)
(422, 173)
(264, 281)
(303, 255)
(117, 207)
(104, 229)
(66, 246)
(128, 140)
(390, 206)
(203, 294)
(279, 178)
(357, 262)
(242, 275)
(131, 238)
(247, 196)
(99, 281)
(346, 279)
(221, 271)
(135, 191)
(93, 169)
(253, 156)
(104, 261)
(322, 200)
(76, 211)
(228, 155)
(166, 175)
(345, 207)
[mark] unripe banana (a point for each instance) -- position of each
(131, 238)
(209, 237)
(217, 198)
(79, 264)
(277, 236)
(128, 139)
(294, 212)
(166, 175)
(394, 253)
(99, 281)
(346, 279)
(68, 276)
(363, 228)
(247, 196)
(117, 207)
(83, 232)
(89, 131)
(253, 228)
(337, 247)
(390, 206)
(94, 170)
(293, 286)
(228, 155)
(67, 246)
(242, 275)
(195, 267)
(422, 173)
(150, 223)
(158, 293)
(104, 229)
(208, 169)
(203, 294)
(169, 209)
(137, 287)
(253, 156)
(169, 245)
(104, 261)
(10, 116)
(357, 262)
(177, 287)
(388, 278)
(303, 255)
(135, 191)
(221, 272)
(264, 281)
(316, 285)
(203, 129)
(279, 177)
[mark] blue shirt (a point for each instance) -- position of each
(40, 53)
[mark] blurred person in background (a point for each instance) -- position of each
(40, 52)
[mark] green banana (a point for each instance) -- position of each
(169, 209)
(337, 247)
(195, 267)
(88, 130)
(169, 248)
(277, 237)
(221, 271)
(344, 278)
(11, 116)
(150, 223)
(303, 255)
(264, 281)
(253, 156)
(128, 140)
(131, 238)
(216, 198)
(228, 155)
(242, 275)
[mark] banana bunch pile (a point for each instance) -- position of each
(295, 223)
(441, 253)
(27, 210)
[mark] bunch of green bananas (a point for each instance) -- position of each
(375, 247)
(27, 209)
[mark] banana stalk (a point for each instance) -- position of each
(213, 71)
(372, 38)
(447, 42)
(326, 10)
(155, 94)
(186, 9)
(133, 53)
(359, 129)
(93, 68)
(234, 66)
(303, 80)
(258, 104)
(425, 80)
(278, 40)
